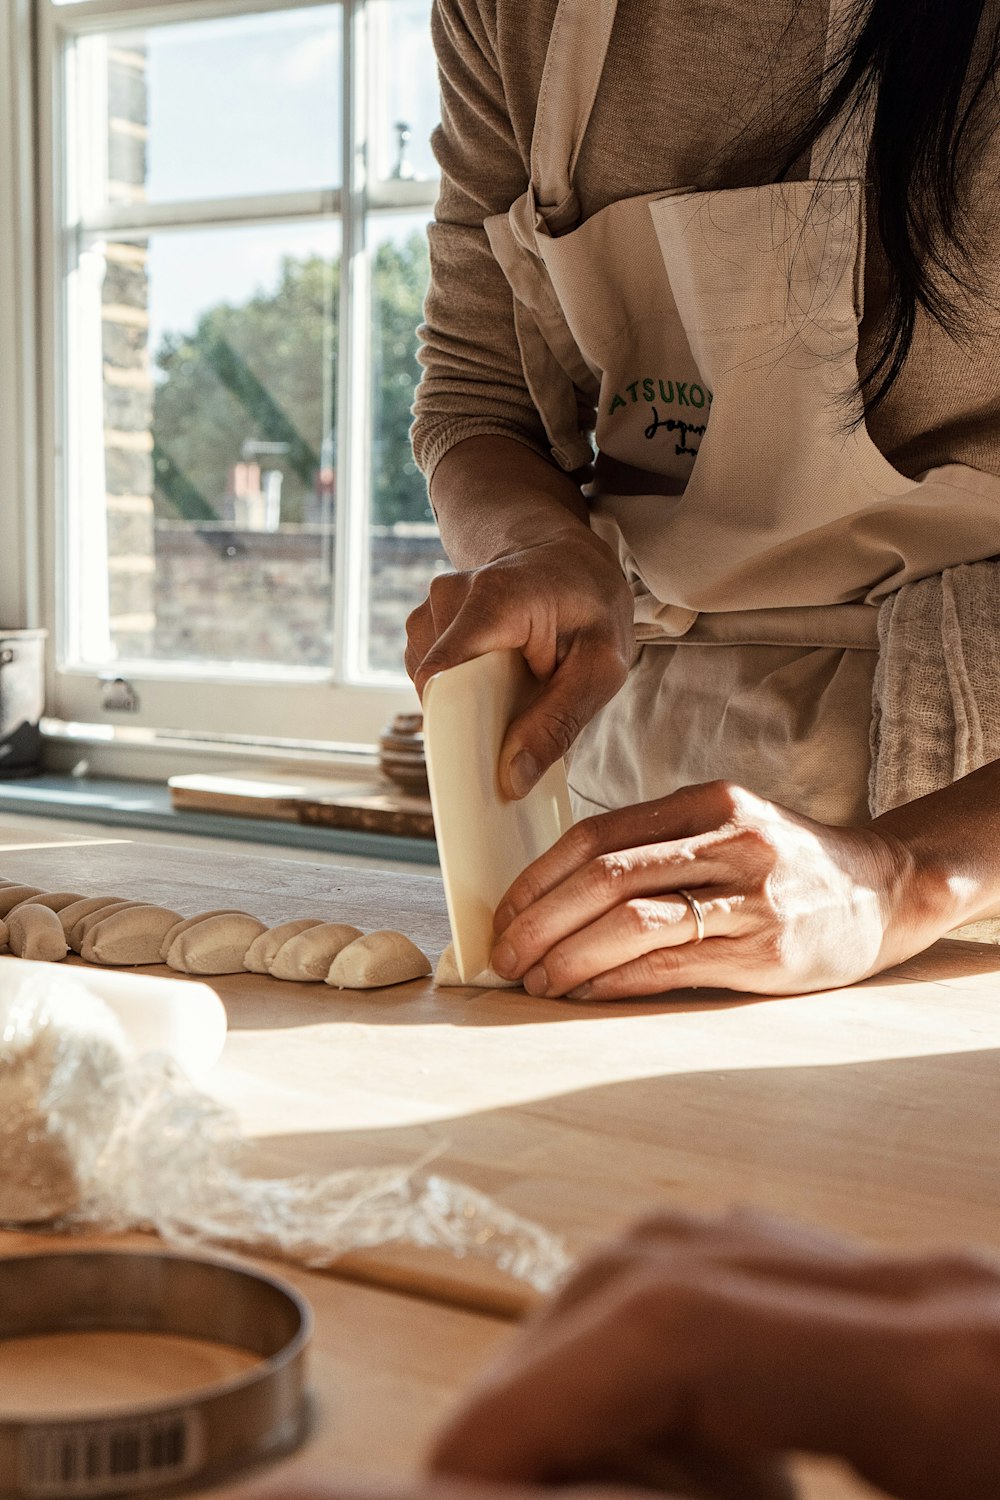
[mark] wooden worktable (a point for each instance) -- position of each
(871, 1110)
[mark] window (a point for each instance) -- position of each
(234, 267)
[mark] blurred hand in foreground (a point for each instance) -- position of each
(693, 1354)
(743, 1338)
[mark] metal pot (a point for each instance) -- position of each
(22, 701)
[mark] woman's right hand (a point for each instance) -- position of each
(564, 603)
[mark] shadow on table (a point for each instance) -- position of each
(276, 1005)
(899, 1150)
(275, 1008)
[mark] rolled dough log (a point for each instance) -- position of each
(310, 954)
(13, 895)
(376, 960)
(216, 945)
(36, 932)
(58, 1046)
(131, 935)
(446, 975)
(70, 915)
(261, 952)
(203, 916)
(3, 933)
(80, 929)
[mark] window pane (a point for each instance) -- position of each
(204, 465)
(403, 85)
(212, 109)
(404, 548)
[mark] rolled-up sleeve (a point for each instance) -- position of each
(472, 384)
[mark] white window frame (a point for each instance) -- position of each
(20, 603)
(325, 714)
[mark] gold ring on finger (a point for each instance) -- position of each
(697, 911)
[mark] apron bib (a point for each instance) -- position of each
(715, 335)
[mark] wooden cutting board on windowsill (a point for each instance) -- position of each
(373, 806)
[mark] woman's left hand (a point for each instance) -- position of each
(789, 904)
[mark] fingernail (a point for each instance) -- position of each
(504, 960)
(582, 992)
(536, 981)
(522, 773)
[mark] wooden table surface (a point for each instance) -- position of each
(871, 1110)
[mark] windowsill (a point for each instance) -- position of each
(123, 753)
(117, 803)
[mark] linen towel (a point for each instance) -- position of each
(936, 700)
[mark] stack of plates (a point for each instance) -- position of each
(401, 754)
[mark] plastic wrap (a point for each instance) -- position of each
(91, 1135)
(61, 1055)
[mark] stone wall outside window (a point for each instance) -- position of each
(225, 594)
(127, 379)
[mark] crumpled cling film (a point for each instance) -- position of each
(92, 1136)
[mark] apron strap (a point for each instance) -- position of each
(844, 146)
(574, 66)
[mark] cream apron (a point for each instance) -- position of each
(716, 335)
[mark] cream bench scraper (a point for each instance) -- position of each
(484, 839)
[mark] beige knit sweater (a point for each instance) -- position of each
(696, 95)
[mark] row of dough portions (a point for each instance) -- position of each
(113, 931)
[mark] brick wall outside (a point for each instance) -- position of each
(128, 386)
(227, 595)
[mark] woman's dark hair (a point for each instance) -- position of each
(923, 69)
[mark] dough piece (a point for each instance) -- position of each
(54, 900)
(36, 932)
(376, 960)
(310, 955)
(131, 935)
(79, 930)
(60, 1048)
(263, 950)
(13, 895)
(203, 916)
(446, 975)
(215, 945)
(3, 933)
(70, 915)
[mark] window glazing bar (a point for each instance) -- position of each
(148, 218)
(402, 197)
(87, 16)
(352, 361)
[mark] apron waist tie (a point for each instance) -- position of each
(849, 627)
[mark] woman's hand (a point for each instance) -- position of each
(745, 1338)
(789, 904)
(563, 602)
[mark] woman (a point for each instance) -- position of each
(652, 243)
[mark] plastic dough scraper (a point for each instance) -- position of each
(484, 839)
